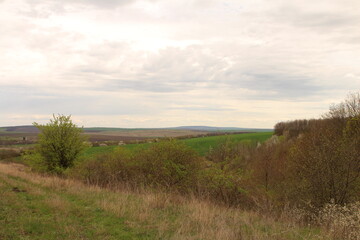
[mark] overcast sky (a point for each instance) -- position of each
(162, 63)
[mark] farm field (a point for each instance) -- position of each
(146, 133)
(200, 144)
(121, 134)
(40, 207)
(104, 134)
(203, 144)
(11, 138)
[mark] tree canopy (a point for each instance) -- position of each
(60, 142)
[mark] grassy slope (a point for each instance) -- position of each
(54, 208)
(201, 145)
(38, 211)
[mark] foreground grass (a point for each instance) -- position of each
(30, 210)
(40, 207)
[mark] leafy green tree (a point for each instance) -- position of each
(60, 143)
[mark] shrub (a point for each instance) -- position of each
(343, 222)
(230, 154)
(223, 187)
(169, 164)
(324, 166)
(269, 168)
(35, 161)
(106, 170)
(8, 153)
(60, 143)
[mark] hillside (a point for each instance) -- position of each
(38, 207)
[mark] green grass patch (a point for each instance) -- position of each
(201, 144)
(92, 151)
(30, 211)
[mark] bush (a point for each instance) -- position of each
(106, 170)
(169, 164)
(8, 153)
(220, 186)
(324, 166)
(230, 154)
(60, 143)
(35, 161)
(343, 222)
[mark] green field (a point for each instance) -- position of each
(89, 152)
(200, 144)
(203, 144)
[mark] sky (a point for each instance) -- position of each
(166, 63)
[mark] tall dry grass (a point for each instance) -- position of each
(171, 216)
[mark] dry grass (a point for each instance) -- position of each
(343, 222)
(171, 216)
(58, 202)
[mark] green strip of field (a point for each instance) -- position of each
(201, 144)
(89, 152)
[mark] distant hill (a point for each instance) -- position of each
(20, 129)
(32, 129)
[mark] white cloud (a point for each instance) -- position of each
(141, 63)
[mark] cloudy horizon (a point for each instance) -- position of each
(157, 63)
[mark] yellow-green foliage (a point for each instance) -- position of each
(35, 160)
(106, 169)
(171, 165)
(60, 143)
(218, 185)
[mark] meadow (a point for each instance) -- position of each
(202, 145)
(40, 207)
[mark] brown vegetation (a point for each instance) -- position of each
(6, 153)
(169, 216)
(312, 167)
